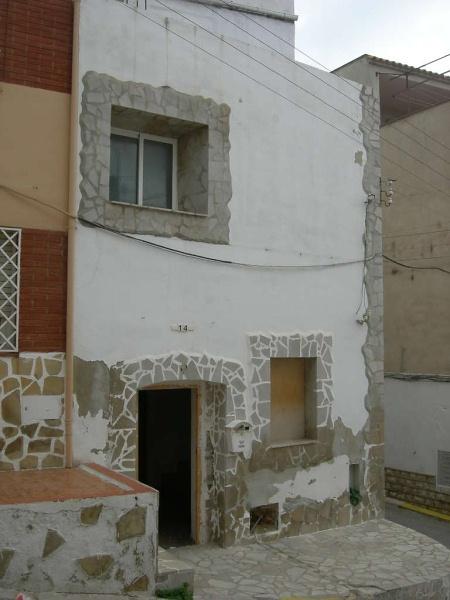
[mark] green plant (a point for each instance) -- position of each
(355, 496)
(181, 593)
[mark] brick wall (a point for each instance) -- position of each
(36, 43)
(43, 272)
(416, 488)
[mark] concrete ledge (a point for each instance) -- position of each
(77, 531)
(173, 572)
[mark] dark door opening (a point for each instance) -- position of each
(165, 459)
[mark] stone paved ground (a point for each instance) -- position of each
(371, 560)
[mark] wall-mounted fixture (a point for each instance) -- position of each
(386, 191)
(364, 319)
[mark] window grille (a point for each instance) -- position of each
(9, 288)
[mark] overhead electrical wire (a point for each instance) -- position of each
(412, 69)
(173, 250)
(243, 73)
(221, 39)
(397, 164)
(304, 68)
(163, 247)
(412, 233)
(415, 268)
(213, 259)
(257, 61)
(221, 260)
(270, 89)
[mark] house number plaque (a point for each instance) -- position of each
(182, 328)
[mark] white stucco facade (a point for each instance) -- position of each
(298, 207)
(417, 423)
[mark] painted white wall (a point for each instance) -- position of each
(297, 199)
(417, 415)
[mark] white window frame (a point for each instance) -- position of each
(141, 137)
(14, 347)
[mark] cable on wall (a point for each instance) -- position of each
(243, 73)
(221, 39)
(111, 230)
(401, 264)
(300, 66)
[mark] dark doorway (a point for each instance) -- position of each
(165, 459)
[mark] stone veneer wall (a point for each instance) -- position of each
(222, 404)
(227, 399)
(298, 514)
(416, 488)
(40, 443)
(92, 546)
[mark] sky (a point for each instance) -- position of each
(335, 32)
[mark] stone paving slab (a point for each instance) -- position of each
(377, 559)
(172, 572)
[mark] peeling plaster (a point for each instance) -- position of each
(88, 433)
(318, 483)
(359, 158)
(91, 386)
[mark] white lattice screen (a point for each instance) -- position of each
(9, 288)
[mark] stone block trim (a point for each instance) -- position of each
(299, 515)
(263, 347)
(224, 402)
(101, 93)
(416, 488)
(127, 378)
(373, 348)
(37, 444)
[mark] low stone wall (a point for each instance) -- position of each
(99, 545)
(416, 488)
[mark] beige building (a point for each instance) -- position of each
(415, 154)
(35, 96)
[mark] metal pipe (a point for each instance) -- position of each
(68, 396)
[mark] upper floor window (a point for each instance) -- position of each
(143, 169)
(9, 288)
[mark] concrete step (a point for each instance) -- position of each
(12, 594)
(172, 572)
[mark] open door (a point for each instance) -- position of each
(166, 459)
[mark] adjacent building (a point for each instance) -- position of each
(35, 84)
(415, 154)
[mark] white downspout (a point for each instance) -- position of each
(73, 178)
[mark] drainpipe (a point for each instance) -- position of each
(68, 397)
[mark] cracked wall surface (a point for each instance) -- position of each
(101, 93)
(30, 439)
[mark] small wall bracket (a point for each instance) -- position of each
(386, 191)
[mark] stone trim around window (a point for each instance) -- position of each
(100, 93)
(263, 347)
